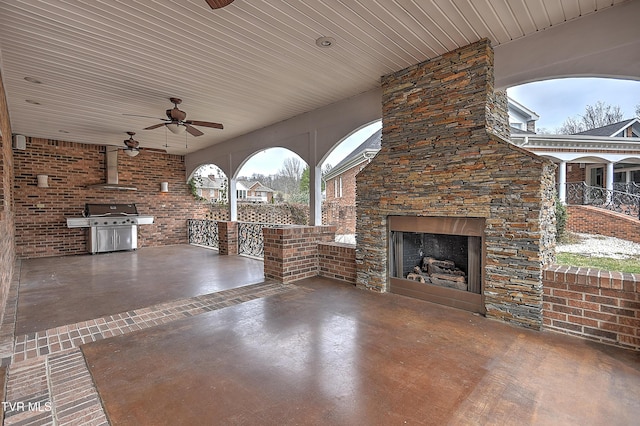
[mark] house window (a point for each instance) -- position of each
(335, 188)
(340, 186)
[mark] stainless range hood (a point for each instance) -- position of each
(111, 159)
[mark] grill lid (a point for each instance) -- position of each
(94, 210)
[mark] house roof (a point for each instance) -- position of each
(362, 153)
(211, 182)
(254, 186)
(611, 129)
(523, 110)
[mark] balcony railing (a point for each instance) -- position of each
(203, 232)
(250, 238)
(619, 201)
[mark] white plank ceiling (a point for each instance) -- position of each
(248, 65)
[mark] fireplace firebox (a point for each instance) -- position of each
(439, 259)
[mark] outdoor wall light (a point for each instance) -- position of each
(43, 181)
(164, 186)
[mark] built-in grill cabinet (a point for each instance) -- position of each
(111, 227)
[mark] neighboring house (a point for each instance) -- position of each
(605, 157)
(340, 181)
(212, 188)
(339, 205)
(253, 192)
(215, 189)
(521, 118)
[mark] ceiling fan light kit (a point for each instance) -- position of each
(131, 145)
(176, 128)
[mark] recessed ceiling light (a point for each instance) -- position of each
(325, 42)
(32, 102)
(33, 80)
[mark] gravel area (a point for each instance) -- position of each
(601, 246)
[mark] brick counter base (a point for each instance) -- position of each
(594, 304)
(337, 261)
(291, 251)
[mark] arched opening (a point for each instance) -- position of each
(339, 170)
(209, 183)
(589, 127)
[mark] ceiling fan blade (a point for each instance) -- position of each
(217, 4)
(193, 131)
(164, 151)
(205, 124)
(155, 126)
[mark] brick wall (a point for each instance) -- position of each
(340, 216)
(348, 197)
(595, 304)
(228, 238)
(291, 252)
(337, 261)
(40, 212)
(341, 211)
(594, 220)
(575, 173)
(7, 248)
(440, 157)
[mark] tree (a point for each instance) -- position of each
(638, 110)
(594, 116)
(304, 181)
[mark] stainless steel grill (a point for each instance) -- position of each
(111, 227)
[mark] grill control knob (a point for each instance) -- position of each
(105, 222)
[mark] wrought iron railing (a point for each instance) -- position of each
(618, 201)
(250, 238)
(630, 187)
(203, 232)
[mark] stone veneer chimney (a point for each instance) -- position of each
(445, 154)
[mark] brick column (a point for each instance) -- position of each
(291, 252)
(228, 238)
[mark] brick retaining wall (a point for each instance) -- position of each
(598, 305)
(594, 220)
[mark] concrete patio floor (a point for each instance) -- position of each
(317, 352)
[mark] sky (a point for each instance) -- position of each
(556, 100)
(553, 100)
(269, 162)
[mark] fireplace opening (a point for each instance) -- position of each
(437, 259)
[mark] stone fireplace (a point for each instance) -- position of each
(446, 176)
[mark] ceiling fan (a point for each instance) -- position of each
(177, 124)
(132, 146)
(218, 4)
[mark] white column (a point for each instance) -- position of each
(233, 201)
(609, 177)
(609, 181)
(315, 196)
(562, 182)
